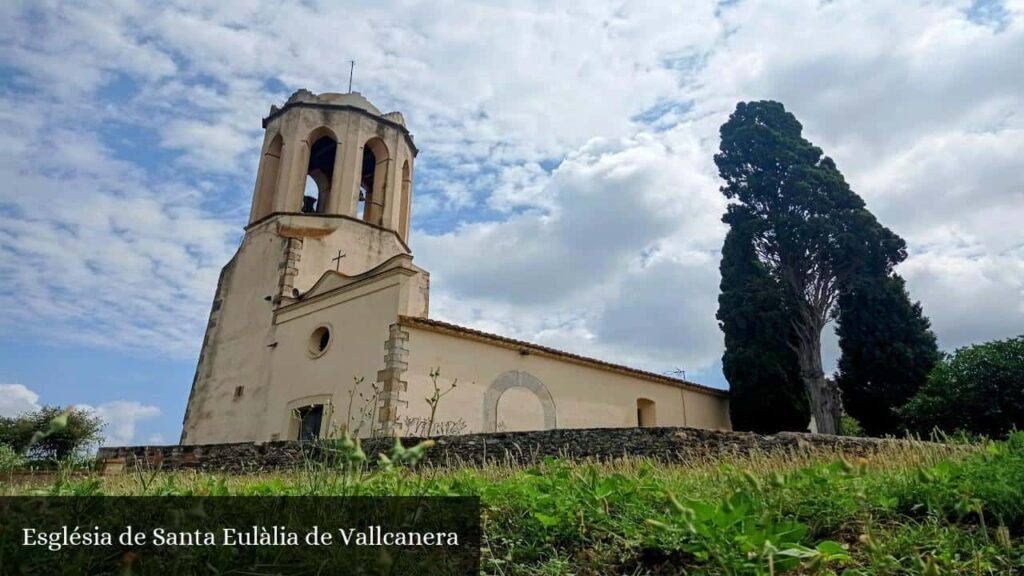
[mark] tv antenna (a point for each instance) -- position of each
(678, 373)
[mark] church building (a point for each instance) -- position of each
(320, 322)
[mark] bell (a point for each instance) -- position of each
(308, 204)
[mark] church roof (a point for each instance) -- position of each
(353, 101)
(529, 347)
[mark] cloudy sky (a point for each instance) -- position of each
(565, 192)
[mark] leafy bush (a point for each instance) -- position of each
(978, 389)
(10, 459)
(51, 433)
(850, 426)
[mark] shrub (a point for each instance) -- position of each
(51, 433)
(10, 459)
(978, 389)
(850, 426)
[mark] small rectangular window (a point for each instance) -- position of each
(310, 419)
(239, 390)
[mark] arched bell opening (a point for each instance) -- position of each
(373, 181)
(266, 182)
(405, 200)
(319, 174)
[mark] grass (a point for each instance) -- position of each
(913, 508)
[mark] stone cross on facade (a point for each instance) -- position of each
(337, 261)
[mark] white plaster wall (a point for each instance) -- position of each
(237, 348)
(584, 397)
(358, 320)
(364, 246)
(235, 351)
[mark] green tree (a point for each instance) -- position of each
(813, 233)
(51, 432)
(887, 351)
(765, 392)
(978, 389)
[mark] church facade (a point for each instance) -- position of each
(320, 321)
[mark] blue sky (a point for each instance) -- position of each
(565, 192)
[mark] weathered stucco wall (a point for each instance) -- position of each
(284, 253)
(256, 369)
(364, 246)
(234, 351)
(358, 320)
(497, 389)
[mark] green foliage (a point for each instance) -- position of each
(978, 389)
(51, 433)
(849, 426)
(339, 466)
(812, 230)
(912, 508)
(735, 538)
(986, 489)
(10, 459)
(765, 392)
(808, 230)
(887, 351)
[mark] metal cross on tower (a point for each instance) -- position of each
(337, 261)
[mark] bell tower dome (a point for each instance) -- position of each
(335, 154)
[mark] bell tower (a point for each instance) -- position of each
(330, 211)
(335, 154)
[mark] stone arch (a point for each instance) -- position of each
(321, 153)
(405, 202)
(373, 178)
(517, 379)
(321, 132)
(266, 182)
(646, 413)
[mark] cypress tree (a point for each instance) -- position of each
(766, 395)
(813, 234)
(887, 348)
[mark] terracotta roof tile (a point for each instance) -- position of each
(447, 328)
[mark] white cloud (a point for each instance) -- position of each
(971, 295)
(16, 398)
(920, 112)
(621, 261)
(94, 250)
(613, 253)
(121, 418)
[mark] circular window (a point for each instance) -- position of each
(319, 341)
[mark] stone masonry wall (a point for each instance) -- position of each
(678, 445)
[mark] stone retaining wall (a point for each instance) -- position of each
(663, 444)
